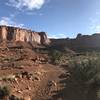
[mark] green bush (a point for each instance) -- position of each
(86, 71)
(4, 91)
(55, 56)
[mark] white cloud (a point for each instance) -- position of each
(26, 4)
(95, 23)
(35, 14)
(93, 20)
(8, 21)
(98, 13)
(4, 21)
(96, 28)
(56, 36)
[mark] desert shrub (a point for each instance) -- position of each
(86, 71)
(10, 59)
(4, 91)
(55, 56)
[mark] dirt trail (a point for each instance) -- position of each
(49, 83)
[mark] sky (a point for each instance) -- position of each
(59, 18)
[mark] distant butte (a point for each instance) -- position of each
(80, 43)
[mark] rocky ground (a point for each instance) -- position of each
(28, 75)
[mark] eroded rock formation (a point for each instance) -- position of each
(14, 34)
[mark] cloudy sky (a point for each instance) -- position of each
(59, 18)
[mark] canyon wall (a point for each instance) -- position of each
(80, 43)
(14, 34)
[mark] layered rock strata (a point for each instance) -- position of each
(15, 34)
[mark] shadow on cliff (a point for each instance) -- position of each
(71, 90)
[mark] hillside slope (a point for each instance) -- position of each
(80, 43)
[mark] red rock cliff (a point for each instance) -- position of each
(15, 34)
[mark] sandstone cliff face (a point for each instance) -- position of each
(4, 31)
(15, 34)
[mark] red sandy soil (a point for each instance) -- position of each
(40, 89)
(25, 60)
